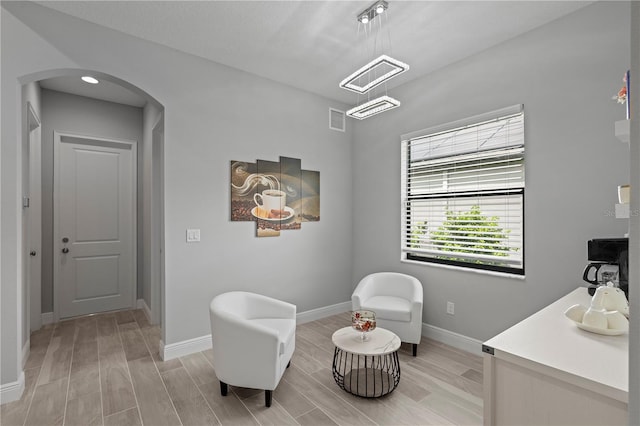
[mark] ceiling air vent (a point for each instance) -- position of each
(336, 120)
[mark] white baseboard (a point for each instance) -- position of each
(202, 343)
(12, 391)
(186, 347)
(141, 304)
(47, 318)
(325, 311)
(26, 350)
(450, 338)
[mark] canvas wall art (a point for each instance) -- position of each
(276, 195)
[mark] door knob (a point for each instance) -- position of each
(65, 240)
(32, 253)
(65, 250)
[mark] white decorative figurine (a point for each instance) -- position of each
(607, 314)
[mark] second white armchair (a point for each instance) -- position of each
(397, 301)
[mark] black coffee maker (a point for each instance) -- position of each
(602, 252)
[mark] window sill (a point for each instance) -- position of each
(463, 269)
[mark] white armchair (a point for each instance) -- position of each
(397, 301)
(253, 340)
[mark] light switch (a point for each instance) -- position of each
(193, 235)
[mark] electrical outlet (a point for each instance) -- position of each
(193, 235)
(451, 308)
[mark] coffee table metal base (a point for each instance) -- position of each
(368, 376)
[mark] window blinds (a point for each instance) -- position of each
(463, 192)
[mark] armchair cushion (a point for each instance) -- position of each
(389, 307)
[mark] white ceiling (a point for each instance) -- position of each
(313, 45)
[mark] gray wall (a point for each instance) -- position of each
(150, 117)
(63, 112)
(11, 132)
(565, 74)
(31, 94)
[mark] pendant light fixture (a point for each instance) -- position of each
(373, 107)
(381, 62)
(378, 71)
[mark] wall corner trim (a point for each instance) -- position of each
(12, 391)
(458, 341)
(26, 350)
(47, 318)
(141, 304)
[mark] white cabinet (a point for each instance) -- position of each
(546, 371)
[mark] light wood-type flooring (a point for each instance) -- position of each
(105, 370)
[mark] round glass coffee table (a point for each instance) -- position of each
(367, 368)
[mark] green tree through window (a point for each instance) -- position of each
(418, 233)
(471, 232)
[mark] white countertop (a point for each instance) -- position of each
(552, 343)
(379, 341)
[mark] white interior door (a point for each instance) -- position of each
(94, 225)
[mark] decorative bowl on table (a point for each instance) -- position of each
(364, 322)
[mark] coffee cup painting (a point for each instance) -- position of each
(276, 195)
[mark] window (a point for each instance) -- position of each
(463, 193)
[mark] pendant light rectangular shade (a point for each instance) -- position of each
(373, 107)
(382, 62)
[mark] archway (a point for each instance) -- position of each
(148, 284)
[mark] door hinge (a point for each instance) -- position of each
(25, 202)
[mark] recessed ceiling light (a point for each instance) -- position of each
(90, 80)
